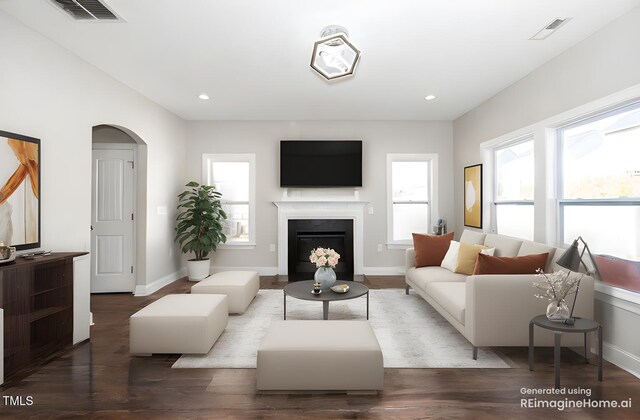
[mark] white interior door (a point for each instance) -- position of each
(112, 221)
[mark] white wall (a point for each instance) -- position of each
(602, 70)
(379, 138)
(48, 93)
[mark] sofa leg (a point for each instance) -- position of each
(406, 289)
(475, 353)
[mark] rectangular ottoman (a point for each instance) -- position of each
(319, 356)
(239, 286)
(178, 324)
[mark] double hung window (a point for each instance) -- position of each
(514, 174)
(233, 175)
(410, 195)
(599, 182)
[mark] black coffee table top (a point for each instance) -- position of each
(302, 290)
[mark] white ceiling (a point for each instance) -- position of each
(252, 57)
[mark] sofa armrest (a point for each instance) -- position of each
(498, 308)
(409, 258)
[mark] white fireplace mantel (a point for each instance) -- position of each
(321, 209)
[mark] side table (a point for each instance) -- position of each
(581, 326)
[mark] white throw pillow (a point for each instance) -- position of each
(488, 251)
(451, 258)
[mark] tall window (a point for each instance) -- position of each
(411, 195)
(233, 175)
(599, 182)
(514, 173)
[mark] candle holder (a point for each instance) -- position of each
(316, 288)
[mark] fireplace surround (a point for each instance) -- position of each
(327, 209)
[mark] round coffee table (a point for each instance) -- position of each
(302, 290)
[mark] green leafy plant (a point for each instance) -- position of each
(200, 218)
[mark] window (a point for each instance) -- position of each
(599, 182)
(514, 173)
(233, 175)
(411, 195)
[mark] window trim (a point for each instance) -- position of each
(432, 201)
(494, 184)
(207, 159)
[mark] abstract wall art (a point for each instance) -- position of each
(473, 196)
(19, 190)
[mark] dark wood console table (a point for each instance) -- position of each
(36, 296)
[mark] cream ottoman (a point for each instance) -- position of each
(178, 324)
(319, 356)
(239, 286)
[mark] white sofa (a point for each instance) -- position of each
(494, 310)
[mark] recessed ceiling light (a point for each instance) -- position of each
(204, 97)
(430, 97)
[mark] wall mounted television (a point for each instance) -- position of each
(19, 191)
(320, 163)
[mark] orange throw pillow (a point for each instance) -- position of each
(431, 249)
(525, 264)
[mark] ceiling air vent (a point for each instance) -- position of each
(85, 9)
(550, 28)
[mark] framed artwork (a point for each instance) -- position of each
(473, 196)
(19, 190)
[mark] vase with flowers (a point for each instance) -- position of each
(556, 287)
(325, 260)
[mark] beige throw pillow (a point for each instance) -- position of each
(467, 257)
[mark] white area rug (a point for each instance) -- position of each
(411, 333)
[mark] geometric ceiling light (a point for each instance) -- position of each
(334, 56)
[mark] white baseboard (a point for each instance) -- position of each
(263, 271)
(621, 358)
(272, 271)
(383, 271)
(146, 290)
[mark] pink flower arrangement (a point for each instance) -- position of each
(324, 257)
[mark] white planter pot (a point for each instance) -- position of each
(198, 270)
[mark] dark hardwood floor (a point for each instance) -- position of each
(100, 379)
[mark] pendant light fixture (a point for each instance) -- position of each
(334, 56)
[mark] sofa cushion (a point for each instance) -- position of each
(430, 249)
(472, 237)
(467, 256)
(451, 296)
(529, 247)
(505, 246)
(526, 264)
(451, 258)
(422, 276)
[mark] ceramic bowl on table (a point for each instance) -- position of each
(340, 288)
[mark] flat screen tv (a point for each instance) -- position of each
(320, 163)
(19, 191)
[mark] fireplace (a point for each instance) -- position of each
(307, 234)
(321, 208)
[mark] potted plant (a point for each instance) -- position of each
(199, 229)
